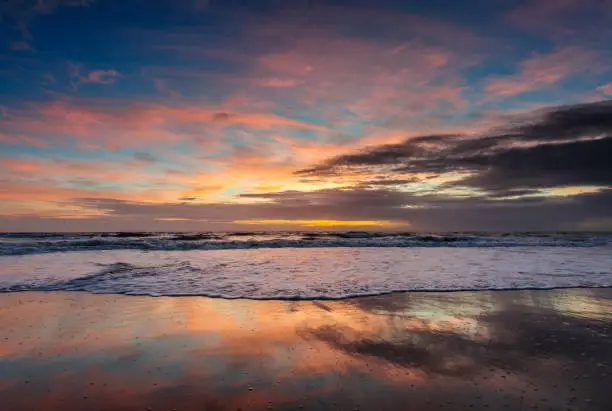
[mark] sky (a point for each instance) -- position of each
(225, 115)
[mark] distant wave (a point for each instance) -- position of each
(24, 244)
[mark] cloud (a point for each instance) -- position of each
(387, 182)
(145, 157)
(319, 65)
(16, 139)
(332, 92)
(562, 146)
(583, 163)
(115, 123)
(388, 154)
(542, 70)
(606, 89)
(548, 170)
(101, 77)
(276, 82)
(61, 180)
(422, 212)
(93, 76)
(221, 117)
(327, 70)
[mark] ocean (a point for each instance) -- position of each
(300, 265)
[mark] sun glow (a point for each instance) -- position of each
(324, 223)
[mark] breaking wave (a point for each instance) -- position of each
(36, 243)
(308, 273)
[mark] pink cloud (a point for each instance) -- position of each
(20, 165)
(162, 86)
(276, 82)
(33, 192)
(113, 124)
(343, 80)
(330, 73)
(23, 140)
(52, 184)
(93, 76)
(541, 70)
(101, 77)
(314, 60)
(606, 89)
(103, 172)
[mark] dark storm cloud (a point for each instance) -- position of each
(550, 165)
(566, 145)
(583, 211)
(570, 122)
(386, 182)
(383, 155)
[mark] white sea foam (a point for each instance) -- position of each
(308, 273)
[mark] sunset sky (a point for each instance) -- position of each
(425, 115)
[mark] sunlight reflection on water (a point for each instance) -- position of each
(501, 349)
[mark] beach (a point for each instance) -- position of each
(489, 350)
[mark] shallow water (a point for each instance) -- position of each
(308, 273)
(508, 350)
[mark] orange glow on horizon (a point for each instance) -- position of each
(324, 223)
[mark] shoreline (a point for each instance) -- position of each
(506, 350)
(321, 298)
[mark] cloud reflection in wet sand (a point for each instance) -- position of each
(547, 350)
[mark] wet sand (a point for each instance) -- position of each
(510, 350)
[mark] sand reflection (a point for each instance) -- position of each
(496, 350)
